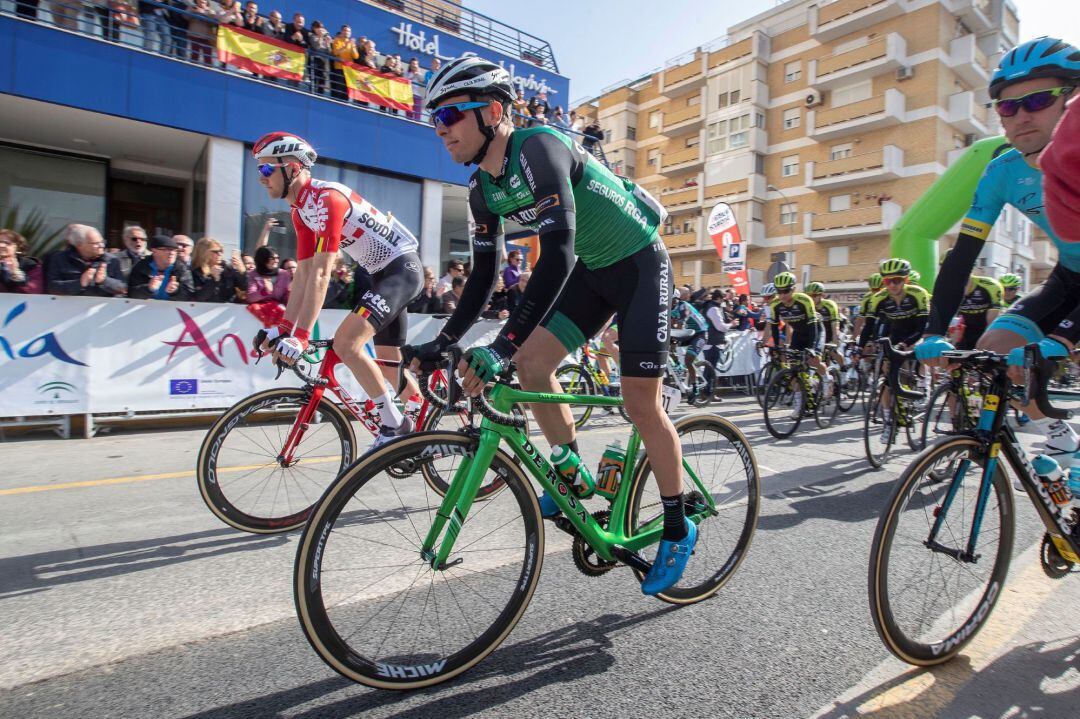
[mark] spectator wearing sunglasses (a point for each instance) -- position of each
(215, 279)
(268, 281)
(1029, 89)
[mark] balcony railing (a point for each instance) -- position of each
(727, 54)
(689, 154)
(884, 164)
(854, 223)
(678, 240)
(851, 111)
(675, 198)
(693, 112)
(841, 61)
(847, 16)
(872, 113)
(888, 52)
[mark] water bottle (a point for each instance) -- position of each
(609, 473)
(412, 407)
(573, 471)
(1055, 482)
(371, 412)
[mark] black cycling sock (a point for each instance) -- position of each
(674, 518)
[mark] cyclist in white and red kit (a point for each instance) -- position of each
(328, 217)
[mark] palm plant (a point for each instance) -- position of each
(40, 239)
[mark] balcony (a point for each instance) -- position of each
(967, 115)
(681, 160)
(681, 240)
(681, 199)
(683, 121)
(753, 45)
(678, 80)
(871, 114)
(1027, 251)
(882, 55)
(968, 61)
(884, 164)
(974, 13)
(1045, 255)
(853, 224)
(843, 17)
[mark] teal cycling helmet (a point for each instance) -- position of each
(1041, 57)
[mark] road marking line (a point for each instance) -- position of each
(145, 478)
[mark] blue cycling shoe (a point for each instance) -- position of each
(548, 508)
(670, 562)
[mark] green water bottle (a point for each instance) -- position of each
(573, 471)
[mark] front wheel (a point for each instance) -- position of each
(724, 501)
(827, 405)
(367, 597)
(575, 379)
(244, 473)
(879, 428)
(785, 402)
(928, 600)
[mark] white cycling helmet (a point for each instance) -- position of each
(473, 77)
(768, 289)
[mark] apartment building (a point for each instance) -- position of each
(819, 123)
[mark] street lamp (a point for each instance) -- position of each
(791, 238)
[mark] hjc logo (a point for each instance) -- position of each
(191, 335)
(286, 149)
(46, 344)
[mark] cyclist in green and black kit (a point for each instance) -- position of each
(600, 254)
(1011, 284)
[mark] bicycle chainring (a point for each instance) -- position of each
(585, 557)
(1053, 564)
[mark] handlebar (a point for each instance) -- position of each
(896, 359)
(1037, 372)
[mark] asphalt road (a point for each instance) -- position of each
(122, 596)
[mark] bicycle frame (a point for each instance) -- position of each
(996, 433)
(470, 475)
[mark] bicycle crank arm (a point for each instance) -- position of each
(958, 554)
(631, 559)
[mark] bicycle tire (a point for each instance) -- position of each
(575, 379)
(780, 397)
(937, 415)
(317, 574)
(849, 392)
(695, 585)
(825, 411)
(251, 516)
(705, 382)
(884, 601)
(763, 379)
(873, 423)
(440, 484)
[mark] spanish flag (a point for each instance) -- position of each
(366, 85)
(259, 54)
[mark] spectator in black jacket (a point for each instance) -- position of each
(427, 302)
(215, 280)
(513, 295)
(296, 33)
(178, 27)
(160, 276)
(593, 134)
(83, 268)
(134, 249)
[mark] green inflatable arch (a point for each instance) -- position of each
(943, 205)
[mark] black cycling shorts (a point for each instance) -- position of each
(694, 344)
(383, 297)
(1045, 308)
(806, 340)
(637, 289)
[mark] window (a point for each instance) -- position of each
(631, 133)
(687, 226)
(722, 99)
(715, 137)
(695, 100)
(654, 157)
(851, 93)
(631, 172)
(838, 257)
(793, 71)
(789, 213)
(654, 119)
(839, 152)
(792, 117)
(689, 267)
(693, 141)
(839, 203)
(734, 96)
(759, 163)
(789, 166)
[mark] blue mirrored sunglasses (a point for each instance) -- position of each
(453, 113)
(267, 169)
(1032, 102)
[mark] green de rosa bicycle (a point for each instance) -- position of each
(397, 587)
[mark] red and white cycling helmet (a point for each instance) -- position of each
(285, 144)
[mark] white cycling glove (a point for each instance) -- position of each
(290, 348)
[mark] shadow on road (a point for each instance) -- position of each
(1038, 679)
(574, 651)
(828, 499)
(36, 572)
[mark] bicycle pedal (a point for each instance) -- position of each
(631, 559)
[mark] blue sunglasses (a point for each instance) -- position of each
(454, 113)
(267, 169)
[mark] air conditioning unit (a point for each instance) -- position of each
(813, 98)
(905, 73)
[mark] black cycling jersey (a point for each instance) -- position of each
(975, 308)
(901, 321)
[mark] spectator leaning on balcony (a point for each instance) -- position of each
(268, 281)
(577, 122)
(251, 18)
(296, 33)
(274, 27)
(215, 280)
(134, 238)
(319, 53)
(344, 49)
(202, 33)
(18, 271)
(520, 110)
(532, 108)
(178, 28)
(83, 267)
(558, 121)
(160, 276)
(66, 13)
(415, 75)
(231, 13)
(593, 134)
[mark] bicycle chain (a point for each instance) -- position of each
(585, 557)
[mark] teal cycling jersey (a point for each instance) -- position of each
(689, 316)
(1009, 180)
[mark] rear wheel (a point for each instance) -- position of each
(575, 379)
(878, 435)
(828, 405)
(784, 404)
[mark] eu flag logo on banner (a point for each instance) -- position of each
(183, 386)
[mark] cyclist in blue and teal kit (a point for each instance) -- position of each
(601, 254)
(685, 316)
(1029, 89)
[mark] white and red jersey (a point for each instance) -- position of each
(328, 217)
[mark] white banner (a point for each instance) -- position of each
(745, 358)
(79, 355)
